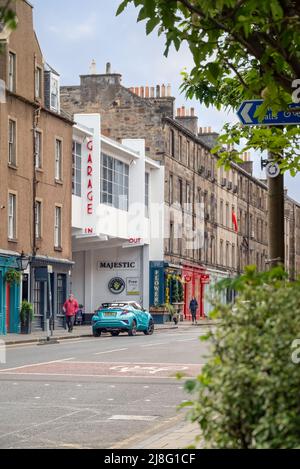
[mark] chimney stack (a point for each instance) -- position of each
(93, 68)
(187, 118)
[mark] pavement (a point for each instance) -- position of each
(112, 392)
(85, 331)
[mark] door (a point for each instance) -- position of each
(7, 307)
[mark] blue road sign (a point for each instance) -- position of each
(248, 109)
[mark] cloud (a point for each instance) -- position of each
(76, 32)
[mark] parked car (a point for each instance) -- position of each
(118, 317)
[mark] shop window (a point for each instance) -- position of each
(61, 292)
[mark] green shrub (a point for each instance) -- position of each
(248, 394)
(26, 311)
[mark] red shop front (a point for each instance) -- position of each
(195, 279)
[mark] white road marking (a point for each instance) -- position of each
(111, 351)
(110, 399)
(47, 422)
(155, 344)
(134, 417)
(37, 397)
(112, 386)
(36, 364)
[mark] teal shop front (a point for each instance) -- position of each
(9, 298)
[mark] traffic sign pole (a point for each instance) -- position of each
(247, 116)
(276, 219)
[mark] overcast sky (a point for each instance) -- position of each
(74, 32)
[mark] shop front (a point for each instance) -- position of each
(50, 287)
(196, 279)
(166, 291)
(9, 295)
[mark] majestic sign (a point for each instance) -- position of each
(115, 265)
(89, 192)
(247, 110)
(116, 285)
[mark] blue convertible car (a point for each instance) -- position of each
(122, 317)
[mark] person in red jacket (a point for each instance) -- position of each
(70, 308)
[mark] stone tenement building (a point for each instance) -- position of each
(192, 176)
(35, 175)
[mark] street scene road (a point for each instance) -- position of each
(96, 392)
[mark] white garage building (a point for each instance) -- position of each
(117, 216)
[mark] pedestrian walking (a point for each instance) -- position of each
(70, 309)
(193, 309)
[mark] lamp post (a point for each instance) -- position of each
(22, 262)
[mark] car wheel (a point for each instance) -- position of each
(150, 329)
(133, 329)
(115, 333)
(97, 333)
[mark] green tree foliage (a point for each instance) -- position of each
(247, 395)
(242, 49)
(7, 16)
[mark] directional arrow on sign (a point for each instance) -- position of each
(247, 110)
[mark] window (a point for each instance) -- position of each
(227, 221)
(188, 195)
(54, 100)
(233, 256)
(227, 261)
(188, 149)
(221, 212)
(61, 292)
(57, 228)
(147, 177)
(221, 253)
(171, 194)
(37, 295)
(38, 82)
(12, 158)
(171, 239)
(38, 150)
(76, 168)
(180, 192)
(12, 72)
(172, 143)
(180, 148)
(114, 182)
(58, 160)
(38, 220)
(12, 215)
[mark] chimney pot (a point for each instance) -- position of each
(200, 130)
(163, 91)
(157, 91)
(178, 111)
(152, 92)
(147, 92)
(205, 130)
(142, 92)
(93, 68)
(182, 111)
(137, 91)
(169, 90)
(192, 112)
(108, 68)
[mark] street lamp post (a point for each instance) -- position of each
(22, 262)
